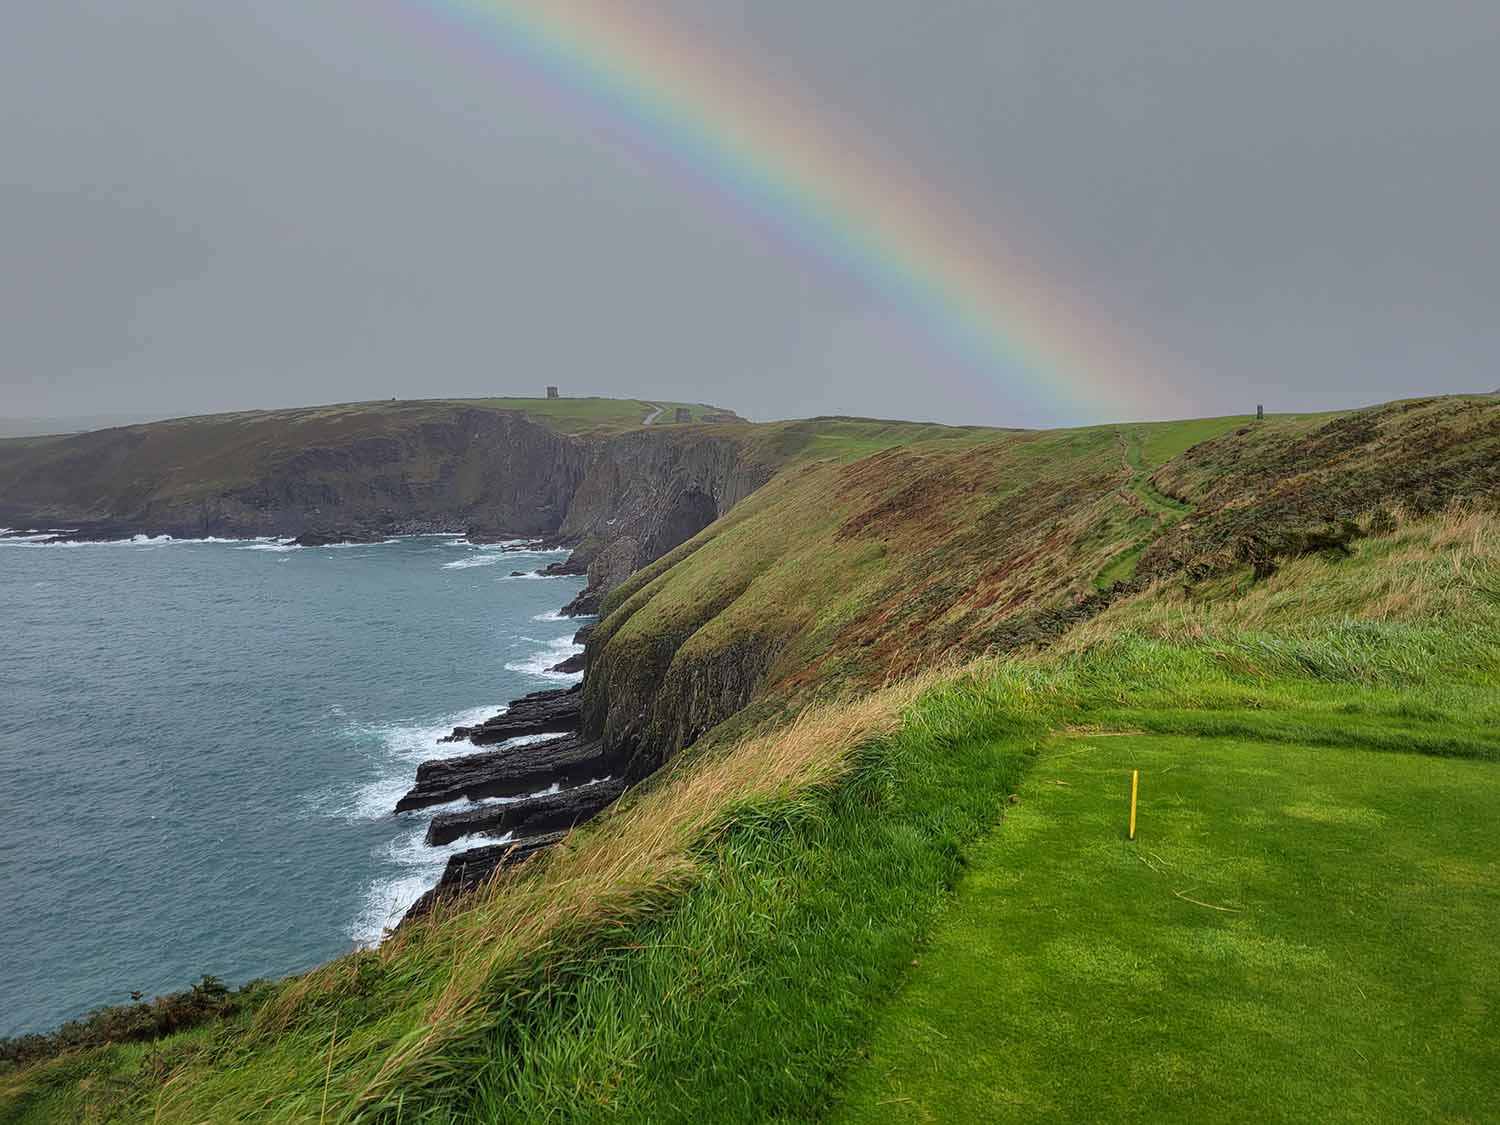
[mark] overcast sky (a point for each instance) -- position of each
(209, 205)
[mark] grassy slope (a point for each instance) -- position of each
(581, 415)
(720, 948)
(566, 415)
(188, 461)
(846, 571)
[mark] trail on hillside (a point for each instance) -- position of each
(654, 415)
(1142, 497)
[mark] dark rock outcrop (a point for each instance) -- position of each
(542, 712)
(612, 566)
(572, 665)
(467, 870)
(528, 817)
(334, 538)
(509, 772)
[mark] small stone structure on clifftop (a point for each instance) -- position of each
(552, 392)
(684, 414)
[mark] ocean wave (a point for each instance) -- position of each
(501, 545)
(418, 867)
(38, 539)
(133, 541)
(284, 545)
(540, 663)
(395, 750)
(472, 561)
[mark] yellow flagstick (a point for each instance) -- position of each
(1135, 781)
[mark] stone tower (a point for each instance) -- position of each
(552, 392)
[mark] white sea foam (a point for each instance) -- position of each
(540, 663)
(38, 539)
(551, 618)
(216, 539)
(418, 867)
(282, 546)
(395, 750)
(133, 541)
(472, 561)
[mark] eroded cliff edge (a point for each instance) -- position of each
(621, 498)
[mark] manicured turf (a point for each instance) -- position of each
(1296, 933)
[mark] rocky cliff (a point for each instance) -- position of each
(849, 571)
(623, 498)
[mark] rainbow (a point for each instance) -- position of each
(783, 167)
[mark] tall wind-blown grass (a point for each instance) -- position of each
(430, 989)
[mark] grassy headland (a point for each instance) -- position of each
(762, 929)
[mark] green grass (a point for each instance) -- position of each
(1159, 442)
(1297, 932)
(567, 415)
(1145, 448)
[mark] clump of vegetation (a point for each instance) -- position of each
(136, 1022)
(1261, 553)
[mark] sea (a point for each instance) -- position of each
(201, 743)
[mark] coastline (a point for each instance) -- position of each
(332, 747)
(526, 756)
(532, 778)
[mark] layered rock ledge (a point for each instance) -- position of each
(467, 870)
(542, 712)
(512, 771)
(531, 816)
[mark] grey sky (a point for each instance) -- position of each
(210, 206)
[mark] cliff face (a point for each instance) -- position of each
(648, 492)
(839, 573)
(381, 470)
(374, 472)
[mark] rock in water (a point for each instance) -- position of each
(529, 817)
(510, 772)
(466, 870)
(571, 666)
(330, 539)
(542, 712)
